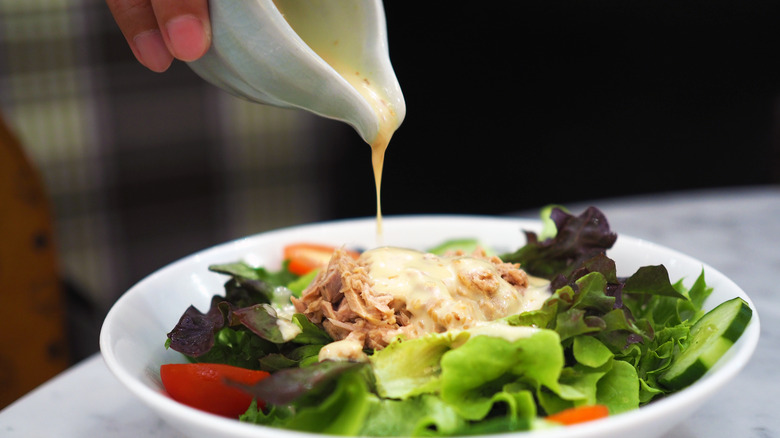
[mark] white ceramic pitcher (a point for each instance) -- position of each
(329, 57)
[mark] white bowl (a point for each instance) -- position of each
(133, 334)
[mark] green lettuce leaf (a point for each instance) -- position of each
(339, 410)
(614, 384)
(535, 362)
(243, 271)
(410, 367)
(236, 346)
(248, 285)
(298, 285)
(424, 415)
(618, 389)
(342, 412)
(310, 333)
(590, 352)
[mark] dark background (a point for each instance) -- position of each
(513, 105)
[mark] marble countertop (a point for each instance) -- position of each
(737, 231)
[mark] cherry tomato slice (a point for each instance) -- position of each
(579, 414)
(306, 257)
(202, 386)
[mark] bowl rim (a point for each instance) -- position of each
(177, 412)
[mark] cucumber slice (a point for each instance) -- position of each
(710, 338)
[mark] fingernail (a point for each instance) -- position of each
(152, 51)
(187, 37)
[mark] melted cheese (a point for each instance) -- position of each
(447, 293)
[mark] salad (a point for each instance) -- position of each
(596, 345)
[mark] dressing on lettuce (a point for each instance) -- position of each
(598, 339)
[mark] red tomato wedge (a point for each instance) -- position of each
(306, 257)
(579, 414)
(202, 386)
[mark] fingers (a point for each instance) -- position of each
(185, 27)
(139, 26)
(158, 31)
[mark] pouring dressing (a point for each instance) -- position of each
(326, 57)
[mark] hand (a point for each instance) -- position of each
(160, 30)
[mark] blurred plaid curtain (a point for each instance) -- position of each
(144, 168)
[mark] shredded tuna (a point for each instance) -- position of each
(510, 272)
(344, 300)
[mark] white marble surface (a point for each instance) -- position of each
(737, 231)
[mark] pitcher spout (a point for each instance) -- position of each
(327, 57)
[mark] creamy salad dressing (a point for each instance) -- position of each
(345, 349)
(452, 294)
(388, 124)
(446, 293)
(288, 329)
(336, 45)
(499, 330)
